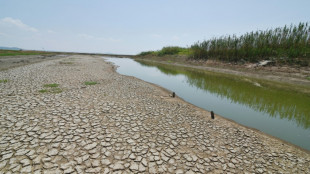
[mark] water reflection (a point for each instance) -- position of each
(276, 103)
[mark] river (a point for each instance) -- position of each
(279, 112)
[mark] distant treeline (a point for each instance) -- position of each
(289, 44)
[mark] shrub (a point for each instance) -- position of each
(145, 53)
(170, 50)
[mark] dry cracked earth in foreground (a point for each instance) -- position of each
(121, 125)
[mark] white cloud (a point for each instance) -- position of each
(17, 23)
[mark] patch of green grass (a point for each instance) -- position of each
(4, 81)
(51, 88)
(308, 77)
(43, 90)
(53, 85)
(90, 83)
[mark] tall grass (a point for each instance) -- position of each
(290, 43)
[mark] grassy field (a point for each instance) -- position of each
(21, 52)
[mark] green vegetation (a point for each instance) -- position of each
(288, 45)
(52, 88)
(171, 50)
(90, 83)
(43, 90)
(53, 85)
(20, 52)
(4, 81)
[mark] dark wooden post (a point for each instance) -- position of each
(173, 94)
(212, 114)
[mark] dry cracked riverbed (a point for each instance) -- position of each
(121, 125)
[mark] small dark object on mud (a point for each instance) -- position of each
(212, 114)
(173, 94)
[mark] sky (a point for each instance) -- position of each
(132, 26)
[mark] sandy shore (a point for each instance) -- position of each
(121, 125)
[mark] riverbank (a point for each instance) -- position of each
(121, 123)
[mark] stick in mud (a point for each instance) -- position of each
(212, 114)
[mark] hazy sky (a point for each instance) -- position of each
(132, 26)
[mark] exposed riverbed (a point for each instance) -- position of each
(278, 112)
(121, 124)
